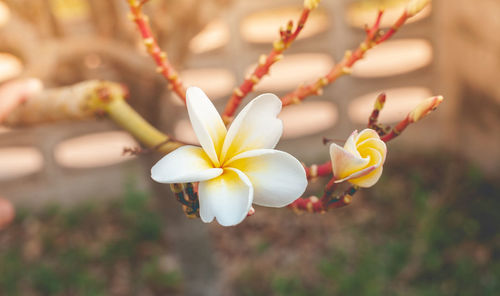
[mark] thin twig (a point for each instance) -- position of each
(420, 111)
(265, 63)
(320, 170)
(379, 104)
(373, 120)
(313, 204)
(344, 67)
(160, 57)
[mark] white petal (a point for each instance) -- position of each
(185, 164)
(228, 198)
(345, 163)
(206, 121)
(277, 177)
(255, 127)
(350, 144)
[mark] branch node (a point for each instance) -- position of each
(254, 78)
(348, 54)
(131, 17)
(262, 59)
(363, 46)
(173, 77)
(237, 91)
(149, 42)
(346, 70)
(314, 171)
(296, 100)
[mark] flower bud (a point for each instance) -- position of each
(361, 159)
(424, 108)
(311, 4)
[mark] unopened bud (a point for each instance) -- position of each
(424, 108)
(311, 4)
(278, 45)
(347, 199)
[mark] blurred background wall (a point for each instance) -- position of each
(449, 49)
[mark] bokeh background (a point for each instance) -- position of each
(90, 221)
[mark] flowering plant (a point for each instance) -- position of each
(235, 166)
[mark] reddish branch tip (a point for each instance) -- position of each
(373, 37)
(160, 57)
(265, 63)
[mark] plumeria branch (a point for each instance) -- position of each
(328, 201)
(91, 98)
(320, 205)
(160, 57)
(422, 110)
(321, 170)
(313, 204)
(187, 195)
(373, 119)
(86, 100)
(374, 37)
(379, 104)
(287, 36)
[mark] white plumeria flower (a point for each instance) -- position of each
(361, 159)
(235, 167)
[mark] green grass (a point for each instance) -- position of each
(434, 232)
(432, 229)
(451, 234)
(91, 249)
